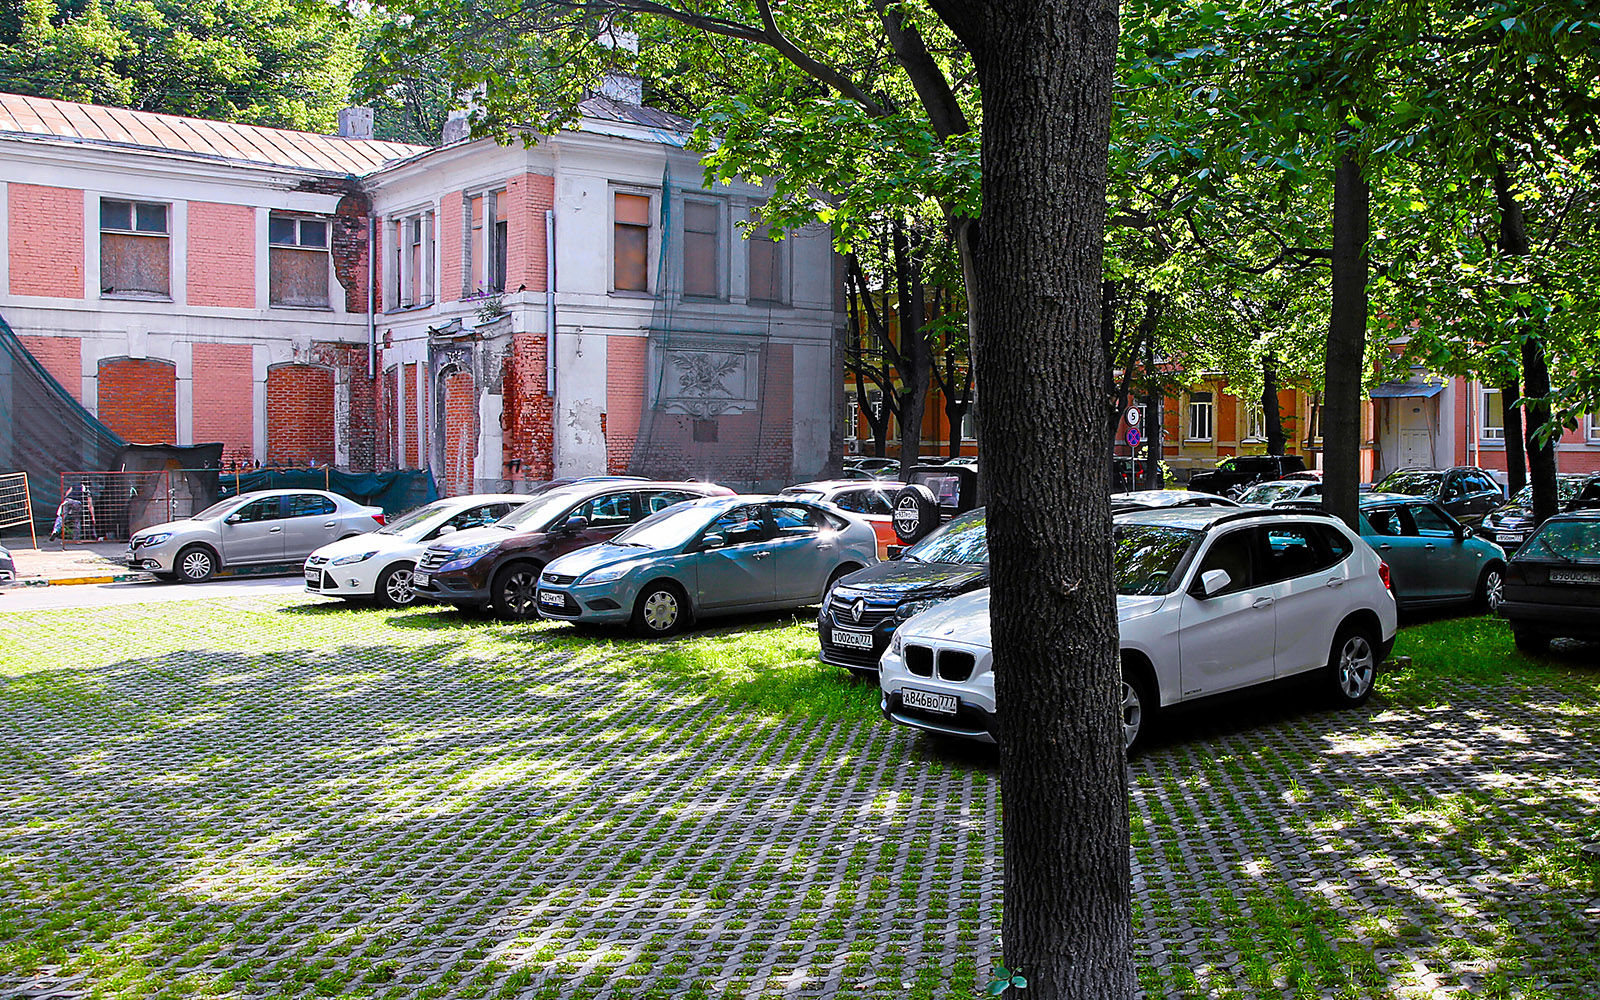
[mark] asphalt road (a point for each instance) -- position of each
(110, 594)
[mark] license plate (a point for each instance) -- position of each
(1574, 576)
(552, 600)
(929, 701)
(419, 579)
(852, 640)
(1511, 536)
(313, 578)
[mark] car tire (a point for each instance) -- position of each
(1353, 665)
(916, 513)
(516, 592)
(662, 609)
(394, 587)
(1138, 708)
(1530, 642)
(1492, 588)
(196, 564)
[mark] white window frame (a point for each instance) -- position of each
(1486, 433)
(415, 290)
(480, 245)
(1591, 428)
(326, 250)
(1208, 406)
(134, 204)
(1255, 424)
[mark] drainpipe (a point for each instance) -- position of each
(550, 301)
(372, 311)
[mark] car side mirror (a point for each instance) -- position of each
(231, 519)
(1465, 532)
(576, 522)
(448, 529)
(713, 541)
(894, 551)
(1212, 582)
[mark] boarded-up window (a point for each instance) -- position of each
(486, 246)
(766, 264)
(477, 273)
(298, 261)
(632, 243)
(135, 255)
(700, 225)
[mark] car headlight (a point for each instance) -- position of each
(470, 552)
(354, 558)
(897, 644)
(606, 574)
(153, 539)
(911, 608)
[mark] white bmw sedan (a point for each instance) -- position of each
(1209, 601)
(379, 565)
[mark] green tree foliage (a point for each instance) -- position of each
(284, 63)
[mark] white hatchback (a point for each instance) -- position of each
(379, 564)
(1209, 601)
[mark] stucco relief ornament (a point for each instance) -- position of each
(701, 377)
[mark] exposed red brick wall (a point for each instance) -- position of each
(350, 251)
(299, 414)
(62, 357)
(223, 399)
(450, 247)
(527, 198)
(138, 398)
(528, 413)
(388, 406)
(625, 359)
(46, 240)
(412, 459)
(222, 256)
(460, 433)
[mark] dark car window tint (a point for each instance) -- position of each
(1412, 484)
(744, 524)
(477, 517)
(309, 505)
(793, 519)
(665, 499)
(1147, 558)
(1454, 487)
(1385, 521)
(1234, 553)
(854, 501)
(1293, 550)
(1564, 541)
(964, 540)
(1429, 522)
(258, 510)
(608, 511)
(878, 503)
(1335, 542)
(1483, 484)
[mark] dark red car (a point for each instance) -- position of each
(498, 566)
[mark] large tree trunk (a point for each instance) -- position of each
(1155, 421)
(1345, 359)
(1270, 414)
(915, 354)
(1045, 70)
(1511, 420)
(1535, 375)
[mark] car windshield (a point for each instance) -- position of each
(218, 509)
(537, 512)
(1269, 493)
(415, 518)
(964, 540)
(1566, 489)
(1412, 484)
(1567, 541)
(1146, 557)
(666, 529)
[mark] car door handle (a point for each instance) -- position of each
(1385, 547)
(1336, 581)
(761, 555)
(330, 524)
(1262, 602)
(276, 527)
(1429, 545)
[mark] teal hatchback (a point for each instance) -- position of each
(1433, 558)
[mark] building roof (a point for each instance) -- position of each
(603, 108)
(64, 121)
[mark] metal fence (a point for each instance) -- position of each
(110, 506)
(16, 503)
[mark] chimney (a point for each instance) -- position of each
(617, 85)
(355, 123)
(456, 127)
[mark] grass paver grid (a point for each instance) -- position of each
(258, 800)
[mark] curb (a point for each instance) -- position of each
(229, 574)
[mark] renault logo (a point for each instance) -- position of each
(858, 608)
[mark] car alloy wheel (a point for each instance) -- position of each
(196, 565)
(660, 611)
(1357, 667)
(1494, 590)
(1132, 713)
(395, 587)
(519, 592)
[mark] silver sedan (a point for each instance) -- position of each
(272, 526)
(717, 556)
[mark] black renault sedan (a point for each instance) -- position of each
(861, 612)
(1553, 583)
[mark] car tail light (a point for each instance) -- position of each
(1383, 574)
(379, 518)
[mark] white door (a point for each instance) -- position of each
(1227, 640)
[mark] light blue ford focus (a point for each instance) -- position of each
(703, 558)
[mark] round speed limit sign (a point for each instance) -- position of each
(1133, 416)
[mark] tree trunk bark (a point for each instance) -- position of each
(1535, 375)
(1045, 71)
(1155, 421)
(1345, 358)
(915, 353)
(1511, 421)
(1270, 414)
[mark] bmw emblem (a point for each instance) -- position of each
(858, 608)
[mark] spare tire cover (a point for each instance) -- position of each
(916, 513)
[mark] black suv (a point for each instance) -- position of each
(1510, 525)
(861, 611)
(1236, 473)
(1468, 493)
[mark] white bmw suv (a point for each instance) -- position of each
(1209, 600)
